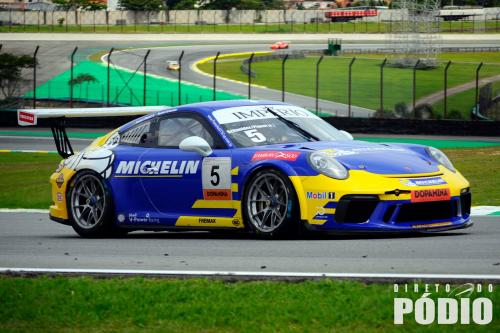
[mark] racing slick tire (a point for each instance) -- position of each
(270, 205)
(90, 206)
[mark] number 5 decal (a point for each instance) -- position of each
(255, 136)
(216, 178)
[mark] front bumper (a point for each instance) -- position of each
(367, 202)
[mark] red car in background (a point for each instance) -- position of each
(280, 45)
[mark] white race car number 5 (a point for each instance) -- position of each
(255, 136)
(216, 178)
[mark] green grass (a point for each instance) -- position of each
(481, 168)
(25, 179)
(25, 176)
(347, 27)
(125, 88)
(199, 305)
(300, 79)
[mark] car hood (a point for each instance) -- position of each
(380, 158)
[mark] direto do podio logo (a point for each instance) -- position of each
(443, 304)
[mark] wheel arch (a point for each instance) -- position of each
(285, 169)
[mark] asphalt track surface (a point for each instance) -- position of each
(32, 240)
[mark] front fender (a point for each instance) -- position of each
(286, 169)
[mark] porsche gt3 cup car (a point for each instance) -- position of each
(261, 166)
(280, 45)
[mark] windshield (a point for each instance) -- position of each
(249, 126)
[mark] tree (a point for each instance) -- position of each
(81, 78)
(244, 4)
(80, 4)
(11, 66)
(142, 5)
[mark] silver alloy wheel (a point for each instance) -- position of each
(88, 201)
(267, 202)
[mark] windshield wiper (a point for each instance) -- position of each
(293, 125)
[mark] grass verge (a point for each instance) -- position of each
(199, 305)
(334, 73)
(25, 176)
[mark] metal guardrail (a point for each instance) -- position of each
(291, 55)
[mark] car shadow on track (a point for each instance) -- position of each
(308, 236)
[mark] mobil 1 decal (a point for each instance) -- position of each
(216, 178)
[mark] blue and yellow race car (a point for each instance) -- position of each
(266, 167)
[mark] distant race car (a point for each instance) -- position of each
(266, 167)
(280, 45)
(173, 65)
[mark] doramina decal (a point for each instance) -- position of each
(430, 195)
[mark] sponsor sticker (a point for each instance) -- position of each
(149, 168)
(59, 196)
(423, 181)
(60, 180)
(275, 155)
(216, 178)
(431, 225)
(439, 194)
(255, 112)
(25, 118)
(320, 195)
(206, 220)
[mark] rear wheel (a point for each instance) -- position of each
(270, 206)
(90, 206)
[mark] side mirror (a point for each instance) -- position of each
(196, 144)
(347, 135)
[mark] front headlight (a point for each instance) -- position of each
(440, 157)
(327, 166)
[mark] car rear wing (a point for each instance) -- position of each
(29, 117)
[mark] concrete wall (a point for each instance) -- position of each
(208, 16)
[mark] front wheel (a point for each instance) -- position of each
(90, 206)
(270, 205)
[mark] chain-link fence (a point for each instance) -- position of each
(241, 21)
(467, 86)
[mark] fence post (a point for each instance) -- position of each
(109, 75)
(180, 78)
(382, 85)
(71, 80)
(145, 77)
(477, 88)
(317, 83)
(250, 76)
(446, 89)
(34, 76)
(215, 75)
(285, 58)
(349, 92)
(415, 87)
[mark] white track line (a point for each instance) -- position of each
(251, 274)
(23, 210)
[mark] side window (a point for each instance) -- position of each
(171, 131)
(140, 134)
